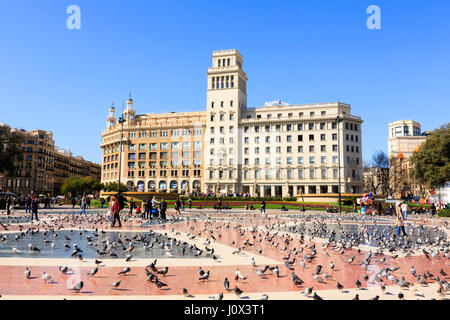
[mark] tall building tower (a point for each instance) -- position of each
(226, 100)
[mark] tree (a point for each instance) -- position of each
(11, 152)
(431, 163)
(378, 173)
(112, 187)
(80, 185)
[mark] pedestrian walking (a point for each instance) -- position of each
(102, 202)
(219, 205)
(190, 203)
(263, 206)
(163, 208)
(83, 205)
(177, 206)
(74, 202)
(34, 207)
(88, 202)
(400, 221)
(182, 204)
(115, 212)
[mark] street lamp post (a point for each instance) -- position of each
(339, 120)
(121, 121)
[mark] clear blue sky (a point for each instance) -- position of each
(298, 51)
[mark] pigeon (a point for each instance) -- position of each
(200, 271)
(27, 273)
(413, 271)
(205, 276)
(116, 284)
(356, 297)
(308, 291)
(77, 287)
(63, 269)
(124, 271)
(358, 283)
(331, 265)
(318, 269)
(93, 272)
(351, 260)
(237, 291)
(239, 275)
(97, 262)
(264, 297)
(340, 286)
(163, 271)
(217, 296)
(47, 277)
(226, 283)
(185, 292)
(296, 279)
(276, 272)
(128, 257)
(160, 284)
(316, 297)
(401, 296)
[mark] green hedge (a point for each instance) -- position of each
(444, 213)
(241, 198)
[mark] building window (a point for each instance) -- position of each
(300, 160)
(311, 148)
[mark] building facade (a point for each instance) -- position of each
(42, 169)
(275, 150)
(405, 137)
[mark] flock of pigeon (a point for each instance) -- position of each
(299, 241)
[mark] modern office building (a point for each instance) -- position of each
(275, 150)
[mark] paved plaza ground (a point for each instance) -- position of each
(282, 244)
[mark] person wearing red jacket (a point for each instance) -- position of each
(115, 212)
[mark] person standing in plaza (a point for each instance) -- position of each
(182, 204)
(9, 202)
(190, 203)
(83, 205)
(433, 209)
(34, 207)
(143, 209)
(163, 208)
(263, 206)
(88, 202)
(115, 212)
(28, 204)
(400, 220)
(74, 202)
(404, 210)
(102, 202)
(219, 205)
(131, 205)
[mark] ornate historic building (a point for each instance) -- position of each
(279, 149)
(44, 167)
